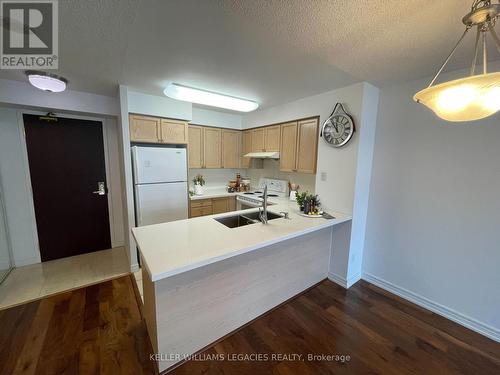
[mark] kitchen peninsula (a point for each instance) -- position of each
(202, 279)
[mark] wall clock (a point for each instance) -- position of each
(339, 128)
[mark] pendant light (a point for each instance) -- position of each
(477, 96)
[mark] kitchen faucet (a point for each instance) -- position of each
(263, 209)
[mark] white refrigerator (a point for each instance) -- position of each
(160, 184)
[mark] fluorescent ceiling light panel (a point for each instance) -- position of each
(213, 99)
(46, 81)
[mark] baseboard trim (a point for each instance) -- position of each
(134, 267)
(343, 282)
(455, 316)
(26, 261)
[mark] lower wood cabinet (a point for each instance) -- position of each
(211, 206)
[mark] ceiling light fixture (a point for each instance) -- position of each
(213, 99)
(46, 81)
(477, 96)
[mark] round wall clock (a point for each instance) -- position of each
(338, 129)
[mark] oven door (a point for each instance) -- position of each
(242, 204)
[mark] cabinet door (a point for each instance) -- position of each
(173, 132)
(195, 146)
(211, 148)
(307, 145)
(231, 203)
(144, 129)
(272, 138)
(258, 140)
(247, 147)
(288, 153)
(231, 145)
(220, 205)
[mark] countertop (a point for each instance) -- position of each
(179, 246)
(213, 192)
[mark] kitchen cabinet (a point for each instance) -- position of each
(231, 148)
(212, 148)
(144, 129)
(173, 132)
(247, 147)
(203, 207)
(258, 140)
(220, 205)
(299, 146)
(272, 138)
(200, 207)
(195, 146)
(157, 130)
(307, 145)
(288, 152)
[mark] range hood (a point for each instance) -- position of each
(263, 155)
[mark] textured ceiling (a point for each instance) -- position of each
(270, 51)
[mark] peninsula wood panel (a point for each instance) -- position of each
(288, 151)
(173, 132)
(228, 294)
(307, 145)
(247, 147)
(258, 140)
(212, 148)
(195, 146)
(231, 148)
(144, 129)
(272, 138)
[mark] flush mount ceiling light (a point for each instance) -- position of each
(46, 81)
(476, 96)
(213, 99)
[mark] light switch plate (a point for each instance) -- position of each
(323, 176)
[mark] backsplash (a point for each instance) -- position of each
(215, 177)
(271, 169)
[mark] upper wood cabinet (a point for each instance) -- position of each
(174, 132)
(258, 140)
(212, 148)
(231, 148)
(195, 146)
(307, 145)
(144, 129)
(272, 138)
(288, 149)
(156, 130)
(299, 146)
(246, 148)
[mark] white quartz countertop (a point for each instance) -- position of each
(213, 192)
(179, 246)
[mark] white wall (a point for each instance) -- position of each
(347, 169)
(22, 94)
(160, 106)
(203, 116)
(14, 173)
(214, 177)
(433, 231)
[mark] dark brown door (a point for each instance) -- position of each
(66, 162)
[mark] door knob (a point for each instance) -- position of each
(101, 188)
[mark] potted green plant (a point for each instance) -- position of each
(198, 181)
(301, 199)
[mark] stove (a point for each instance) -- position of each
(275, 188)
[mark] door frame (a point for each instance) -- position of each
(24, 151)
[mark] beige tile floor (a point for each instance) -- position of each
(40, 280)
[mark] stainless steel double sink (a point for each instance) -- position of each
(241, 220)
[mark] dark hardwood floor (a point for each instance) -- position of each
(93, 330)
(380, 332)
(99, 330)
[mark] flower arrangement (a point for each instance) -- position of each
(199, 180)
(308, 203)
